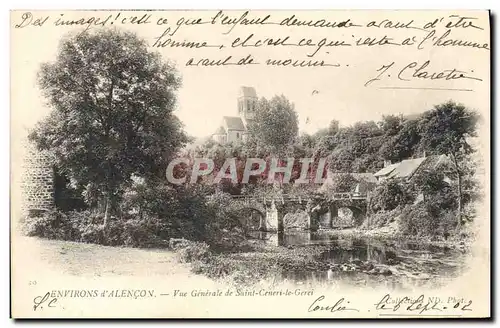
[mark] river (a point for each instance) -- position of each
(368, 261)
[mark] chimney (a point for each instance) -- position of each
(424, 154)
(387, 162)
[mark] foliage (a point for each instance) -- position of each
(87, 227)
(353, 148)
(343, 182)
(416, 221)
(181, 211)
(224, 220)
(404, 144)
(382, 218)
(364, 146)
(112, 117)
(113, 122)
(190, 251)
(275, 127)
(447, 130)
(391, 194)
(430, 182)
(50, 225)
(422, 220)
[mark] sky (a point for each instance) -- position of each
(208, 93)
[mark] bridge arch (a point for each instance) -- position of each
(252, 219)
(264, 220)
(348, 215)
(289, 212)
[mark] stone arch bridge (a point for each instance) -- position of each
(270, 213)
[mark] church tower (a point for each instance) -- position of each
(247, 102)
(235, 128)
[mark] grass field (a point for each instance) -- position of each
(70, 258)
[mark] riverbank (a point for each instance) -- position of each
(389, 234)
(254, 262)
(344, 257)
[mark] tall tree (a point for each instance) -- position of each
(112, 117)
(275, 126)
(403, 144)
(355, 147)
(447, 129)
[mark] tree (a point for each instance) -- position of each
(391, 124)
(343, 182)
(354, 148)
(404, 143)
(447, 129)
(275, 127)
(333, 127)
(390, 194)
(430, 182)
(112, 117)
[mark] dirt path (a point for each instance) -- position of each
(70, 258)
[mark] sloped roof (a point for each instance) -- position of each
(233, 123)
(386, 170)
(406, 168)
(220, 130)
(247, 92)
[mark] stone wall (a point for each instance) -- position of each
(37, 181)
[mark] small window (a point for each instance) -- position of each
(237, 135)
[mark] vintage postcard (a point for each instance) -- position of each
(250, 164)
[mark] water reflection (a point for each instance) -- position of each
(410, 260)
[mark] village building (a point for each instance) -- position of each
(235, 128)
(408, 168)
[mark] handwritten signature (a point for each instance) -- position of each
(339, 306)
(419, 71)
(45, 299)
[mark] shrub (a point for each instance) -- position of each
(126, 232)
(415, 220)
(143, 233)
(190, 251)
(93, 233)
(50, 225)
(343, 182)
(149, 215)
(381, 218)
(447, 224)
(177, 212)
(391, 194)
(422, 220)
(87, 227)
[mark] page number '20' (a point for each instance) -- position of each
(32, 283)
